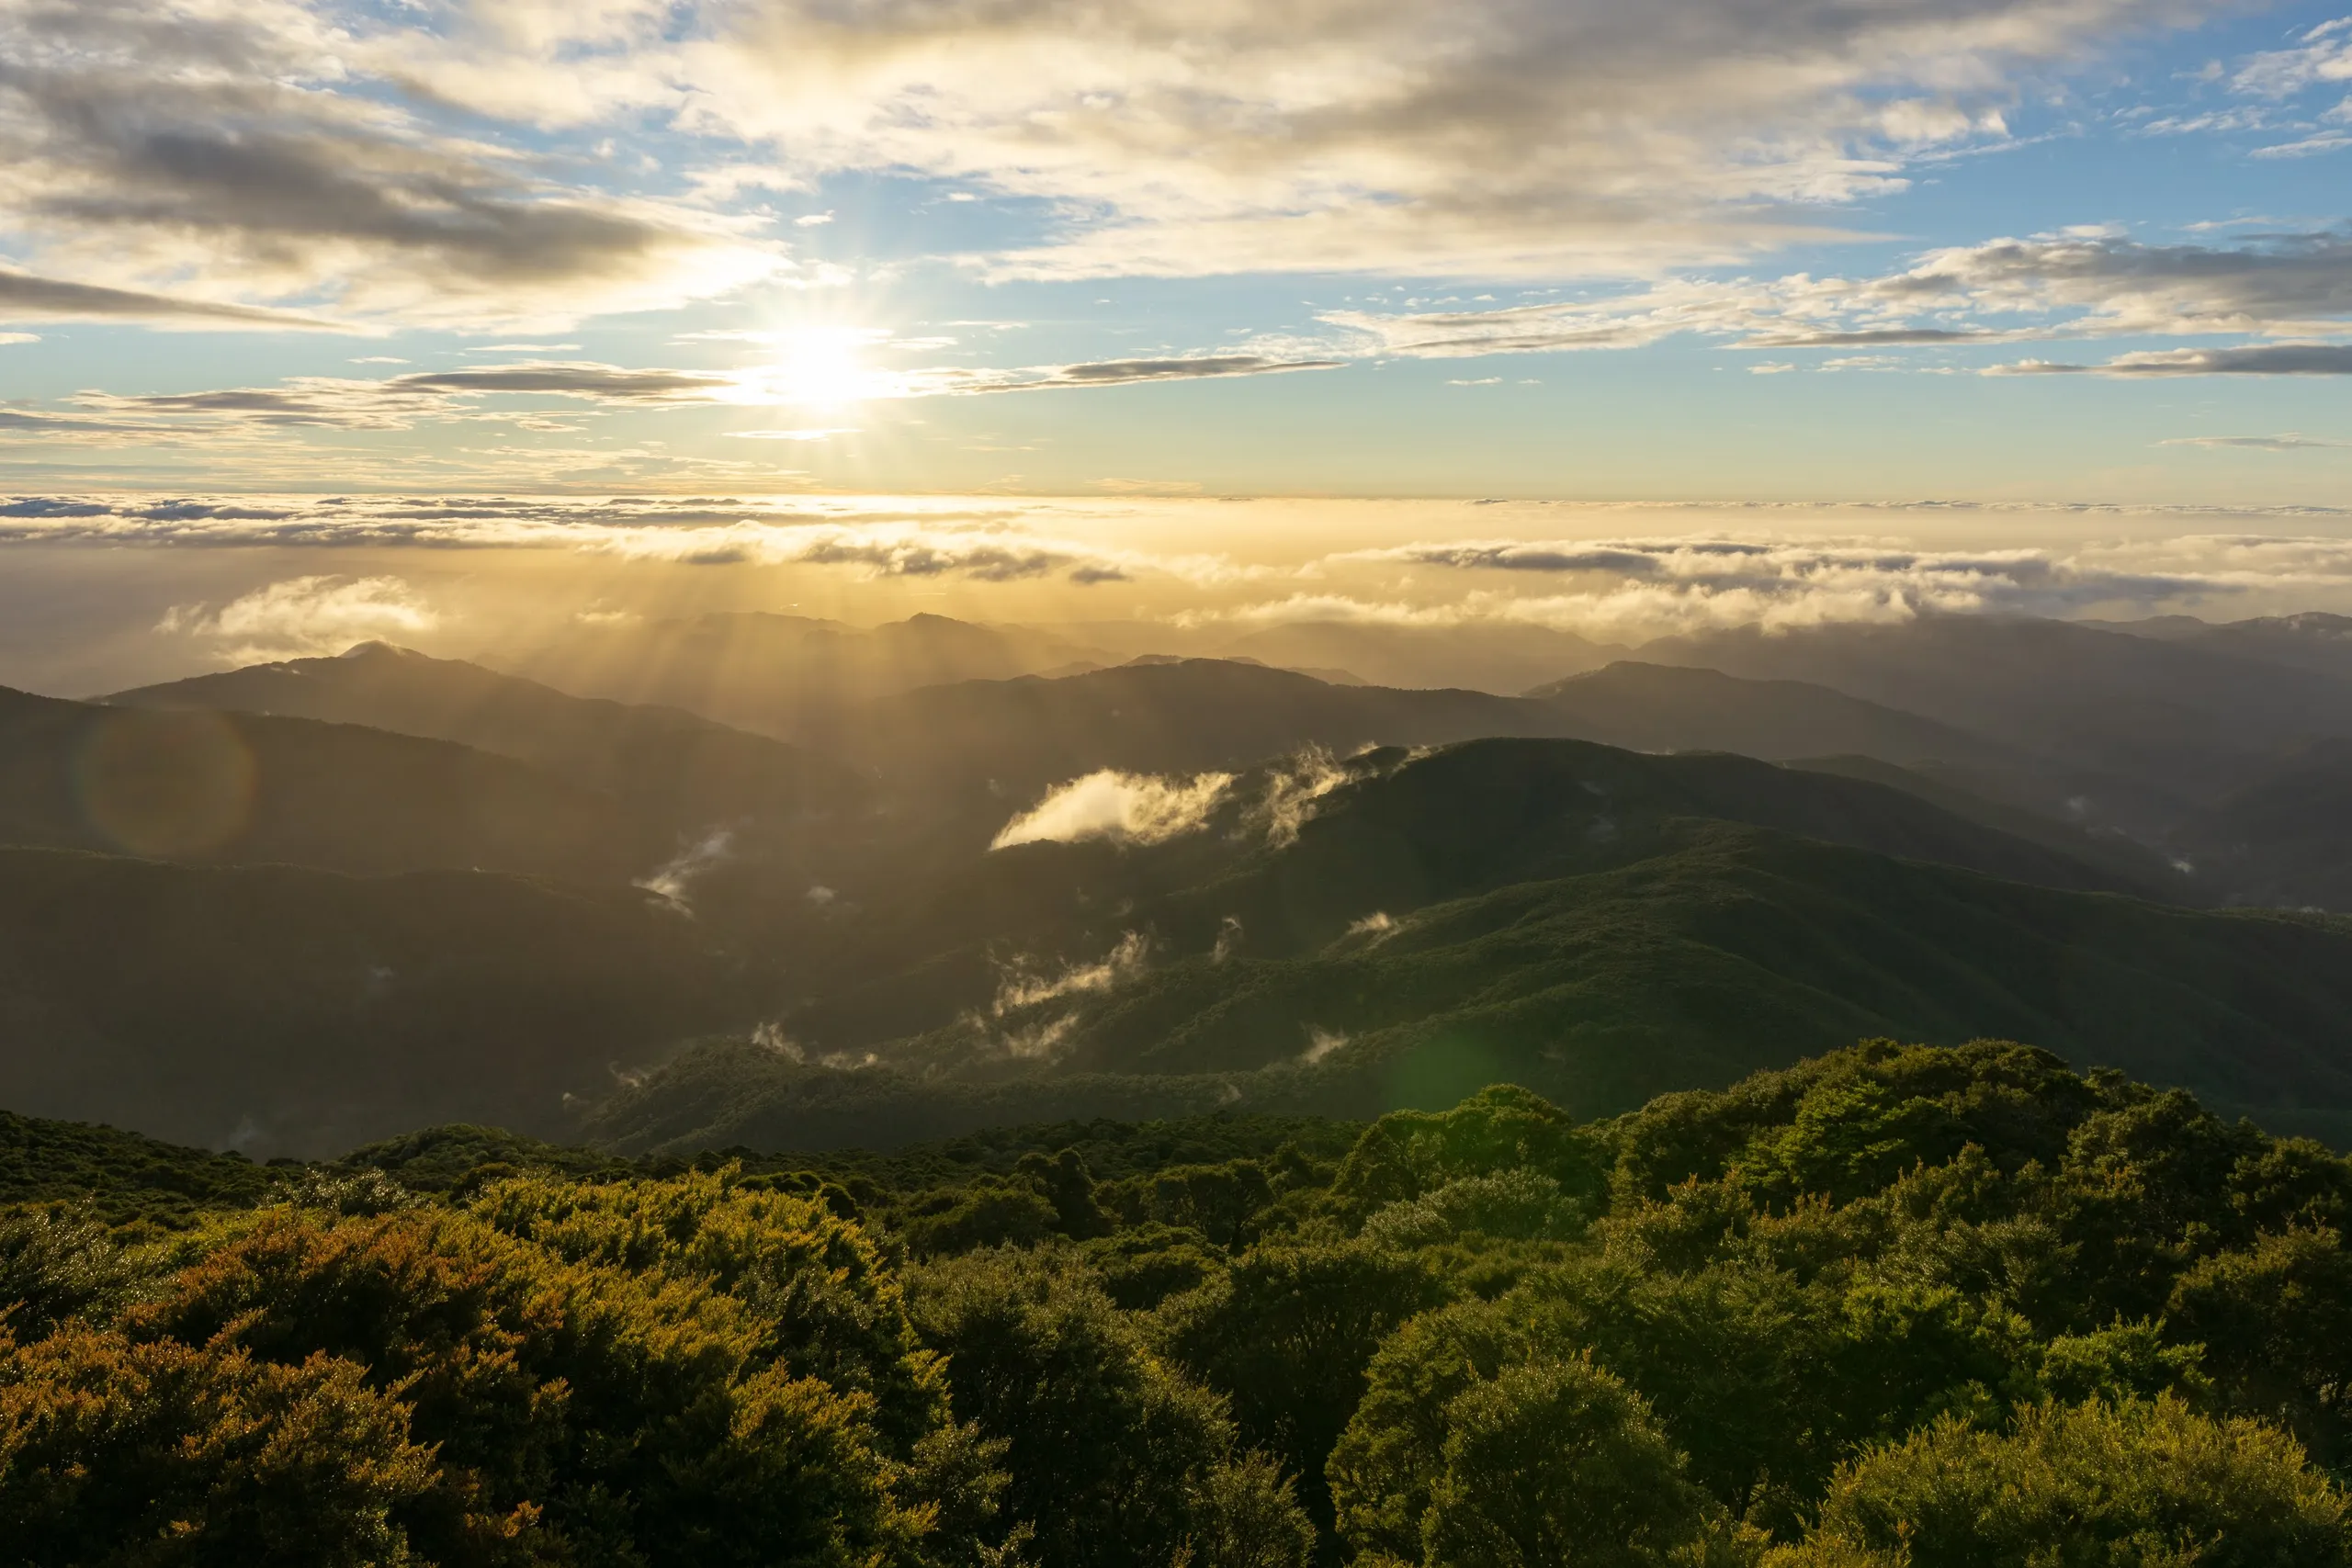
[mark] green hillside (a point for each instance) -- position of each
(1732, 948)
(1389, 833)
(2286, 837)
(2133, 864)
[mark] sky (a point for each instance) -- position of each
(1915, 275)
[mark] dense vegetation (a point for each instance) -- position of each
(1897, 1305)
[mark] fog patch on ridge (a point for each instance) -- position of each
(1132, 808)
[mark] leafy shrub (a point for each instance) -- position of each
(2145, 1482)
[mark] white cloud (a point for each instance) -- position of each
(2322, 55)
(1138, 808)
(1420, 136)
(195, 159)
(304, 616)
(1023, 985)
(1294, 790)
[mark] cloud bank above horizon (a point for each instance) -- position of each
(312, 575)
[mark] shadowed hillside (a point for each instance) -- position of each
(280, 1009)
(1597, 924)
(666, 765)
(242, 787)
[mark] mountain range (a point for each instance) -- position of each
(927, 875)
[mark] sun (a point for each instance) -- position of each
(825, 366)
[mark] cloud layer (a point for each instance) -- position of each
(1782, 569)
(395, 163)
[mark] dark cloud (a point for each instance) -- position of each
(24, 297)
(605, 382)
(1108, 373)
(1114, 372)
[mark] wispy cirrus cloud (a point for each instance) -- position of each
(2002, 291)
(2288, 443)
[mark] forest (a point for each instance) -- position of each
(1897, 1304)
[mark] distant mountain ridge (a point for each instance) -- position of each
(680, 768)
(242, 787)
(2127, 704)
(776, 675)
(1667, 707)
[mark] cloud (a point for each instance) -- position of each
(304, 616)
(2002, 291)
(265, 154)
(986, 544)
(487, 161)
(673, 881)
(401, 402)
(1414, 136)
(2252, 359)
(952, 381)
(2322, 56)
(1294, 791)
(1631, 589)
(24, 297)
(2279, 285)
(1129, 808)
(312, 401)
(404, 402)
(1023, 985)
(1321, 1043)
(2309, 147)
(601, 383)
(2256, 443)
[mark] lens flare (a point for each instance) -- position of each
(166, 783)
